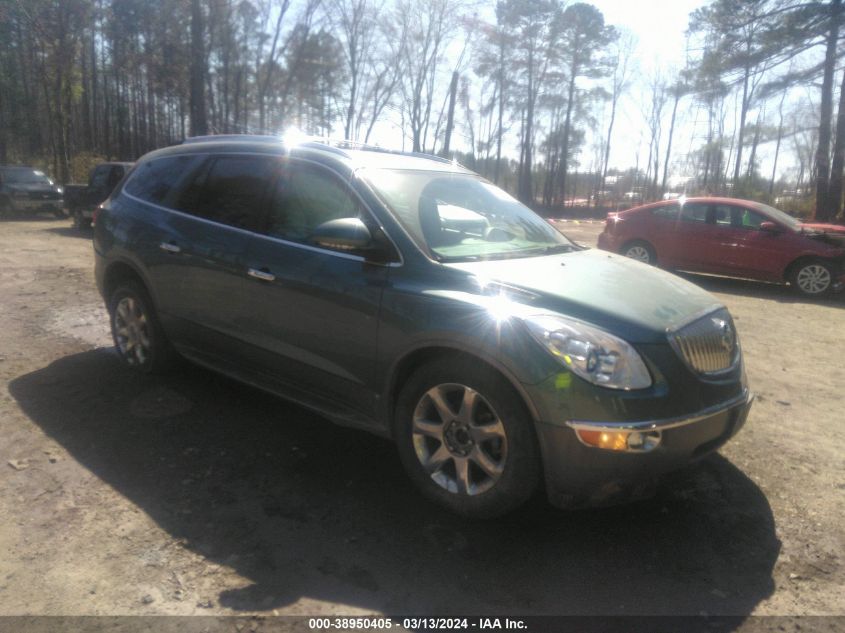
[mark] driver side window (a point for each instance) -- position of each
(747, 219)
(305, 197)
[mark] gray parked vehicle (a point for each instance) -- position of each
(406, 295)
(26, 190)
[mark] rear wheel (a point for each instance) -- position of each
(137, 333)
(641, 251)
(79, 222)
(465, 438)
(812, 278)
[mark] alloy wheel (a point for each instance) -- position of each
(459, 439)
(131, 331)
(813, 279)
(639, 253)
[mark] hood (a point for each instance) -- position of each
(824, 228)
(31, 186)
(630, 299)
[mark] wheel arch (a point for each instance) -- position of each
(410, 362)
(120, 271)
(799, 261)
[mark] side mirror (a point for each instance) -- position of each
(345, 234)
(769, 227)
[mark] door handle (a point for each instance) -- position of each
(263, 274)
(170, 247)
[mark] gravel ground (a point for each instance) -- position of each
(122, 494)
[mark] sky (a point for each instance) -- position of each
(659, 27)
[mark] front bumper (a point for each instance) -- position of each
(28, 204)
(579, 474)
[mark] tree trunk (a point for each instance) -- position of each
(199, 123)
(567, 126)
(823, 208)
(450, 118)
(834, 195)
(669, 141)
(743, 112)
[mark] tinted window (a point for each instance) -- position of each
(724, 214)
(233, 190)
(155, 179)
(746, 219)
(667, 212)
(305, 197)
(115, 174)
(694, 212)
(100, 176)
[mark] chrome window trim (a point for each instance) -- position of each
(307, 247)
(744, 399)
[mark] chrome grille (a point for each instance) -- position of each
(708, 345)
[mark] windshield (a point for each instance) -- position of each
(780, 216)
(25, 176)
(462, 217)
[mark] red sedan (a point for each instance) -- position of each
(726, 236)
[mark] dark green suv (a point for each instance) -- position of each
(405, 295)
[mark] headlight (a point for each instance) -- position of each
(591, 353)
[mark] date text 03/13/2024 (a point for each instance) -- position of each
(415, 624)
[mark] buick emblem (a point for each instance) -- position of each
(726, 335)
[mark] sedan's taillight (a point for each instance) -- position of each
(96, 214)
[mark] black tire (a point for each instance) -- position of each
(501, 437)
(59, 213)
(812, 278)
(140, 340)
(640, 250)
(80, 223)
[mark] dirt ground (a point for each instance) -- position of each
(121, 494)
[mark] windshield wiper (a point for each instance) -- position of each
(558, 248)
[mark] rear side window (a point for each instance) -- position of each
(100, 176)
(155, 179)
(722, 214)
(233, 190)
(666, 212)
(694, 212)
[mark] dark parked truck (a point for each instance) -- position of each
(81, 200)
(28, 190)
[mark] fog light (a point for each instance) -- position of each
(635, 441)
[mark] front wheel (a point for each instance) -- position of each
(465, 438)
(812, 278)
(138, 336)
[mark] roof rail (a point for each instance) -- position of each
(336, 146)
(222, 138)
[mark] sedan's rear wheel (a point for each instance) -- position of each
(641, 251)
(466, 440)
(812, 278)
